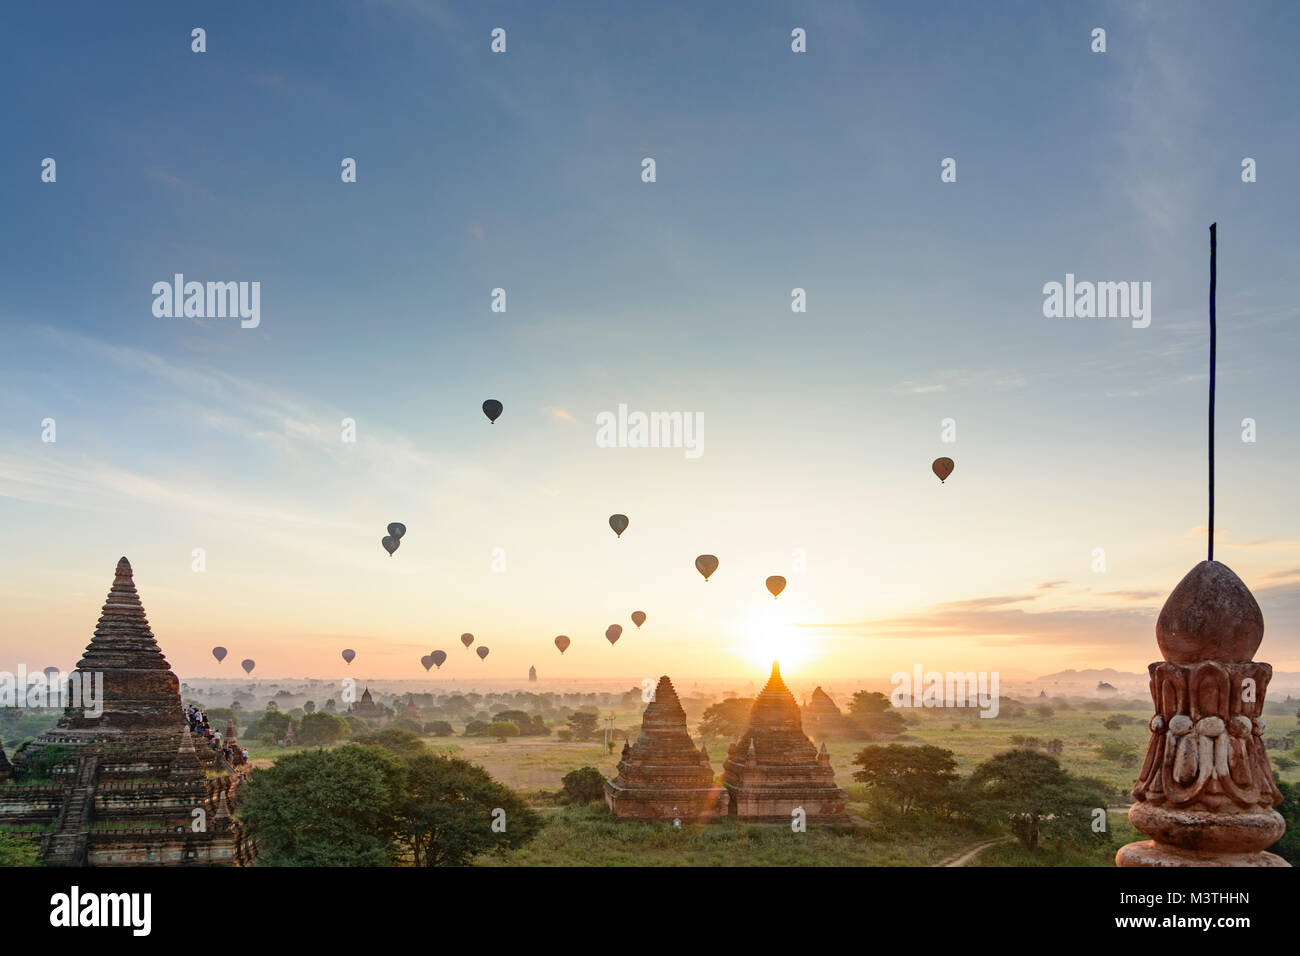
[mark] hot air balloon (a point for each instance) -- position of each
(348, 654)
(248, 666)
(438, 657)
(492, 409)
(706, 564)
(562, 643)
(618, 523)
(638, 618)
(219, 653)
(613, 633)
(467, 639)
(397, 529)
(427, 661)
(775, 584)
(390, 544)
(482, 652)
(943, 468)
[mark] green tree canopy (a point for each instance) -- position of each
(1030, 790)
(321, 729)
(584, 785)
(582, 725)
(907, 776)
(726, 718)
(452, 810)
(325, 808)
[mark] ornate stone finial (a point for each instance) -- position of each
(1211, 615)
(1205, 794)
(123, 572)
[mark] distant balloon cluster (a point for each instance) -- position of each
(393, 540)
(705, 564)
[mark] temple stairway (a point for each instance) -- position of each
(68, 845)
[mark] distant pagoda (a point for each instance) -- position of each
(126, 786)
(662, 776)
(824, 719)
(367, 709)
(774, 768)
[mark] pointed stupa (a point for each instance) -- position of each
(780, 768)
(663, 771)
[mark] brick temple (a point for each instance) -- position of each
(774, 768)
(662, 776)
(128, 787)
(823, 718)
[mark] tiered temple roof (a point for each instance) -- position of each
(133, 764)
(663, 775)
(774, 769)
(823, 719)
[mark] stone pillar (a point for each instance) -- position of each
(1205, 794)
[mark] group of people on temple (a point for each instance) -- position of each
(198, 723)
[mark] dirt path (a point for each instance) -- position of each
(963, 857)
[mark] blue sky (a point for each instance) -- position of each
(775, 170)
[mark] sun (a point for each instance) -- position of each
(764, 636)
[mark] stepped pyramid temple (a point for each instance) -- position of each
(1205, 794)
(129, 786)
(368, 710)
(773, 768)
(823, 719)
(662, 776)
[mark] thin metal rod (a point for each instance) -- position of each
(1213, 344)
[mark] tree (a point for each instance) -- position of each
(398, 742)
(1113, 722)
(501, 729)
(910, 776)
(584, 785)
(1289, 846)
(322, 729)
(868, 704)
(1122, 753)
(452, 810)
(309, 706)
(438, 728)
(1030, 791)
(582, 724)
(726, 718)
(324, 808)
(528, 724)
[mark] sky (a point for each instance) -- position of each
(523, 170)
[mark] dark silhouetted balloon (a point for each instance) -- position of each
(638, 618)
(427, 661)
(467, 639)
(618, 523)
(482, 653)
(613, 633)
(397, 529)
(492, 409)
(348, 654)
(247, 666)
(390, 544)
(219, 653)
(775, 584)
(438, 657)
(562, 643)
(706, 564)
(943, 468)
